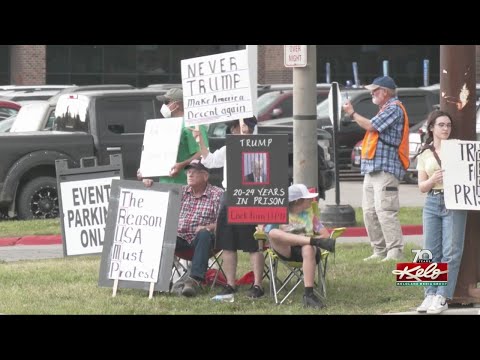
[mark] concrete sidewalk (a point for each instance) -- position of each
(22, 251)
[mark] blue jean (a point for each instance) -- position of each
(201, 244)
(444, 233)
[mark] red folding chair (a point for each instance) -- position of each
(214, 272)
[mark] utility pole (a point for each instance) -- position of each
(305, 152)
(457, 70)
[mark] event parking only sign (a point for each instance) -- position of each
(83, 196)
(461, 179)
(257, 173)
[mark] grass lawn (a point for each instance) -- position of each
(69, 286)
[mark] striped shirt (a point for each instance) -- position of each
(389, 123)
(197, 211)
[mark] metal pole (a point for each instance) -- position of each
(385, 67)
(457, 69)
(336, 116)
(426, 72)
(305, 152)
(355, 74)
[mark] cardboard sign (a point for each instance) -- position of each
(257, 173)
(160, 146)
(216, 88)
(140, 235)
(83, 195)
(461, 179)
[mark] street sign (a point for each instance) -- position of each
(295, 55)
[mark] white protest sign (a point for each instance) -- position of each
(334, 92)
(139, 232)
(461, 179)
(160, 146)
(85, 208)
(216, 88)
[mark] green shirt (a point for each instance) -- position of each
(186, 149)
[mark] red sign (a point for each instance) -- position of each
(259, 215)
(421, 274)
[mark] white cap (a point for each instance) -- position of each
(299, 191)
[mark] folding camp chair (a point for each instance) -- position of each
(283, 282)
(181, 270)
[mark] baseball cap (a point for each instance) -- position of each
(196, 166)
(173, 94)
(299, 191)
(251, 122)
(382, 81)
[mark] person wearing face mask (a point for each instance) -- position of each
(188, 148)
(385, 158)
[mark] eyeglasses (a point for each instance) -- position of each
(374, 91)
(444, 125)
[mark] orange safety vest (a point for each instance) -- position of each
(371, 138)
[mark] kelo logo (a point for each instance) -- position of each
(422, 271)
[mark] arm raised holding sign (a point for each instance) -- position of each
(188, 149)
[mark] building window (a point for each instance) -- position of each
(4, 65)
(137, 65)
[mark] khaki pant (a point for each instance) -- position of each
(380, 212)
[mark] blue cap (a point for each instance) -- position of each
(382, 81)
(251, 122)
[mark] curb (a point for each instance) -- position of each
(31, 240)
(57, 239)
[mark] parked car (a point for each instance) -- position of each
(279, 104)
(21, 96)
(40, 115)
(8, 108)
(93, 123)
(266, 88)
(5, 125)
(418, 103)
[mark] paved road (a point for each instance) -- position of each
(351, 194)
(38, 252)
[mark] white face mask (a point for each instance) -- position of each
(165, 110)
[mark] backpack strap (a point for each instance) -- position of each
(432, 149)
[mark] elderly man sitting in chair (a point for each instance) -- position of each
(196, 224)
(301, 238)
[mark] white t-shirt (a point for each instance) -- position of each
(217, 160)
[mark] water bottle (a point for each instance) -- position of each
(224, 298)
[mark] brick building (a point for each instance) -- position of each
(141, 65)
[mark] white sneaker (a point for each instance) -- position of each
(394, 254)
(374, 257)
(439, 304)
(425, 304)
